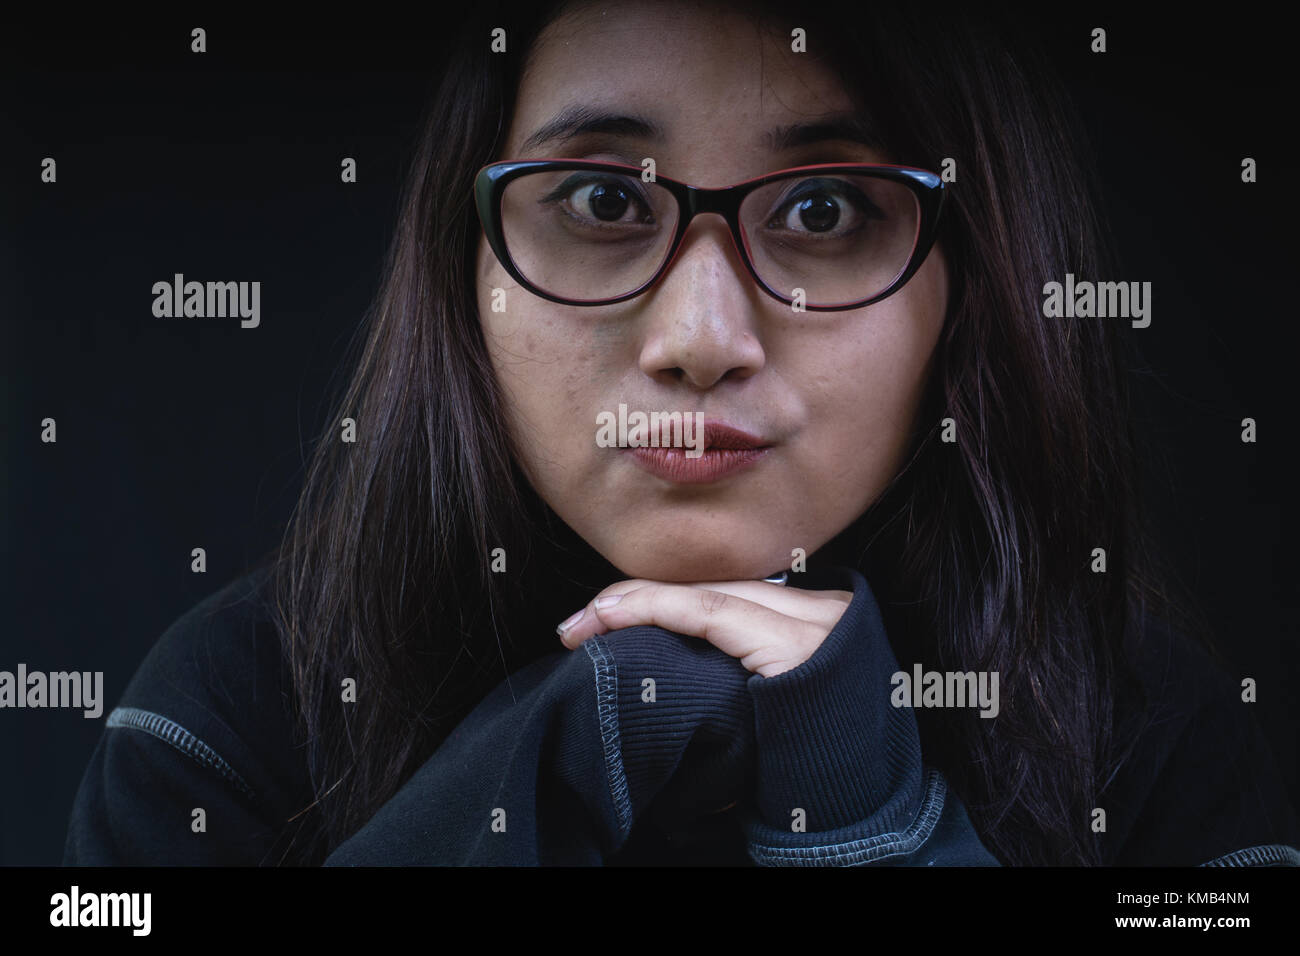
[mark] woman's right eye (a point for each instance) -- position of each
(603, 201)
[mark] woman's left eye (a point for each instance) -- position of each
(824, 211)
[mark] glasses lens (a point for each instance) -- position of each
(587, 234)
(841, 238)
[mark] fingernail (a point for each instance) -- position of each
(609, 600)
(569, 622)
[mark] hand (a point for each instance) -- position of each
(769, 628)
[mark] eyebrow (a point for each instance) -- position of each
(850, 127)
(576, 121)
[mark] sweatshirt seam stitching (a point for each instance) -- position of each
(606, 678)
(1268, 854)
(180, 739)
(867, 849)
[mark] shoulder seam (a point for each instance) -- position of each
(170, 732)
(1270, 854)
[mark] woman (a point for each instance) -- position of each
(888, 421)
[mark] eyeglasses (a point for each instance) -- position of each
(829, 236)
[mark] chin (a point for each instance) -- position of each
(691, 565)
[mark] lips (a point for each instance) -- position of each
(727, 450)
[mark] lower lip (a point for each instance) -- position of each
(671, 464)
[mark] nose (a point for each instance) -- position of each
(702, 315)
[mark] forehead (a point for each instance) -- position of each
(705, 76)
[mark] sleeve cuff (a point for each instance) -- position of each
(683, 712)
(829, 741)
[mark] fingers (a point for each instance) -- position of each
(749, 631)
(819, 607)
(770, 628)
(581, 625)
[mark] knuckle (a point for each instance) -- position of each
(711, 602)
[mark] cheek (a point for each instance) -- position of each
(544, 369)
(869, 389)
(878, 402)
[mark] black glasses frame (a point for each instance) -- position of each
(491, 181)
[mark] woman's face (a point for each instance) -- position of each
(832, 394)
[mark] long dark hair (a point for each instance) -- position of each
(979, 551)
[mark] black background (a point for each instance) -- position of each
(183, 433)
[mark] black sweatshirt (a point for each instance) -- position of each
(579, 759)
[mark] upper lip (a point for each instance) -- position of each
(723, 435)
(717, 434)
